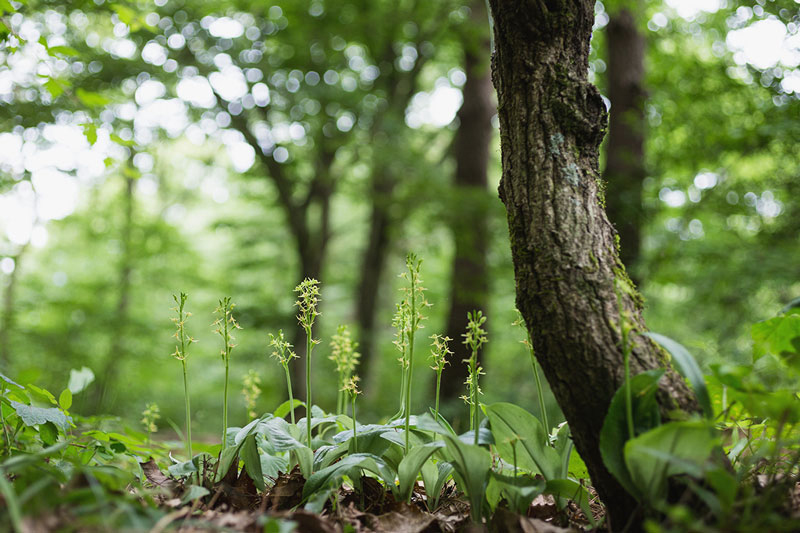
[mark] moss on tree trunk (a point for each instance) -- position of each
(566, 262)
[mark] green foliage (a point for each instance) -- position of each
(520, 439)
(308, 298)
(474, 338)
(686, 365)
(614, 434)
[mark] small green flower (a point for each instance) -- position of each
(150, 416)
(251, 391)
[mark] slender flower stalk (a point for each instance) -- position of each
(414, 303)
(535, 364)
(282, 351)
(351, 388)
(474, 338)
(184, 341)
(439, 354)
(307, 302)
(224, 326)
(400, 323)
(345, 357)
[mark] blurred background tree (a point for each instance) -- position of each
(232, 148)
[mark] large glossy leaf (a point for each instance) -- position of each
(276, 431)
(32, 416)
(513, 424)
(252, 461)
(571, 490)
(688, 367)
(518, 491)
(411, 465)
(472, 465)
(615, 427)
(673, 448)
(350, 465)
(283, 409)
(305, 459)
(434, 476)
(779, 336)
(272, 465)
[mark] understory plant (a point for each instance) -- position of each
(440, 351)
(345, 358)
(224, 327)
(351, 389)
(150, 416)
(520, 321)
(180, 354)
(282, 351)
(474, 338)
(251, 390)
(307, 302)
(411, 307)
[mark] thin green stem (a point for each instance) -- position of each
(438, 388)
(309, 345)
(188, 411)
(225, 407)
(514, 456)
(3, 421)
(402, 411)
(539, 388)
(410, 359)
(474, 387)
(289, 386)
(355, 435)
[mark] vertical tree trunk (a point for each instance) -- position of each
(117, 351)
(373, 263)
(625, 170)
(469, 280)
(9, 309)
(566, 265)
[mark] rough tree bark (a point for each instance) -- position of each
(469, 280)
(625, 172)
(567, 269)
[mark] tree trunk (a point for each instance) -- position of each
(625, 170)
(9, 310)
(567, 269)
(469, 280)
(373, 262)
(117, 351)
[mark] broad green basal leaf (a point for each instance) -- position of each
(513, 424)
(615, 427)
(333, 474)
(670, 449)
(411, 465)
(687, 366)
(472, 465)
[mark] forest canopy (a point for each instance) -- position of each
(160, 160)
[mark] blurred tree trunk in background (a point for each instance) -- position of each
(384, 177)
(625, 171)
(469, 283)
(109, 371)
(9, 308)
(571, 285)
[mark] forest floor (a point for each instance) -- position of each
(235, 504)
